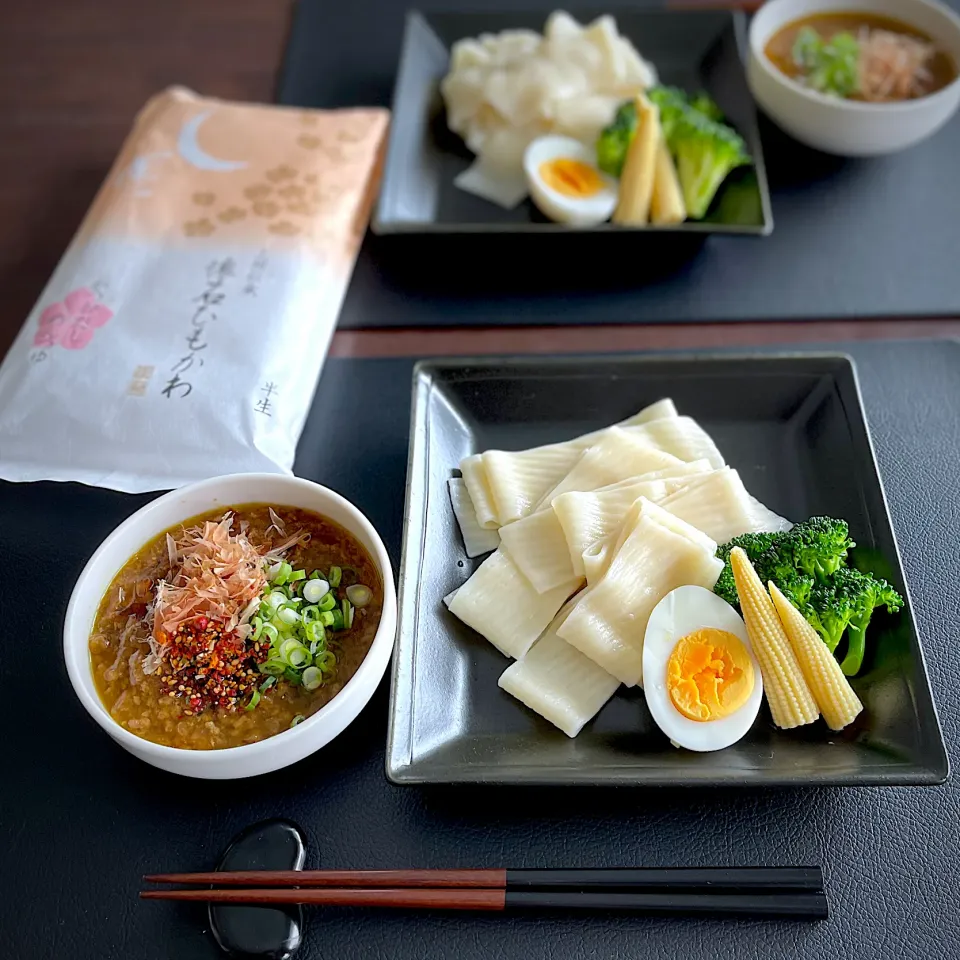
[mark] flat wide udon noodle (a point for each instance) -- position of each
(478, 489)
(681, 436)
(539, 544)
(617, 455)
(715, 502)
(500, 604)
(505, 485)
(766, 520)
(557, 681)
(657, 553)
(476, 540)
(588, 516)
(719, 505)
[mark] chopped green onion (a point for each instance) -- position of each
(315, 632)
(337, 620)
(298, 658)
(270, 632)
(257, 625)
(254, 700)
(292, 675)
(312, 678)
(273, 667)
(267, 684)
(316, 575)
(326, 661)
(283, 575)
(336, 574)
(298, 575)
(299, 718)
(327, 618)
(359, 595)
(347, 608)
(273, 569)
(286, 645)
(289, 616)
(311, 613)
(328, 602)
(276, 599)
(315, 590)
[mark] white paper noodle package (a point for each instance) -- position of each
(182, 334)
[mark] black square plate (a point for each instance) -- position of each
(695, 50)
(795, 429)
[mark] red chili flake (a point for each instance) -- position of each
(211, 668)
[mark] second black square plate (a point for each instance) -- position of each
(695, 50)
(793, 426)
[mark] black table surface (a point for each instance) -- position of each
(852, 238)
(81, 820)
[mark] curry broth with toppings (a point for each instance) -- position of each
(155, 706)
(937, 72)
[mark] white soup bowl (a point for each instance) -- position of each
(147, 523)
(851, 128)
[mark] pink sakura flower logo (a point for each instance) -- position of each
(70, 324)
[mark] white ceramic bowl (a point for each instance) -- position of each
(284, 748)
(847, 127)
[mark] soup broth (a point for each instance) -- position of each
(884, 44)
(173, 701)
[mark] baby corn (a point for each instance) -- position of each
(790, 699)
(666, 204)
(831, 689)
(639, 169)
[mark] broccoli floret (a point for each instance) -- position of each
(808, 563)
(797, 590)
(755, 546)
(706, 105)
(725, 587)
(614, 141)
(862, 593)
(811, 551)
(706, 151)
(828, 610)
(673, 105)
(777, 563)
(818, 546)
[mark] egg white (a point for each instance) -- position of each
(580, 212)
(681, 612)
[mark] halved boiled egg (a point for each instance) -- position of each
(700, 676)
(566, 184)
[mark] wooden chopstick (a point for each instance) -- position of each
(732, 879)
(460, 879)
(803, 905)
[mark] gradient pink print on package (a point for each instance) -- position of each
(71, 324)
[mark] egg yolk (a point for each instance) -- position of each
(709, 674)
(572, 178)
